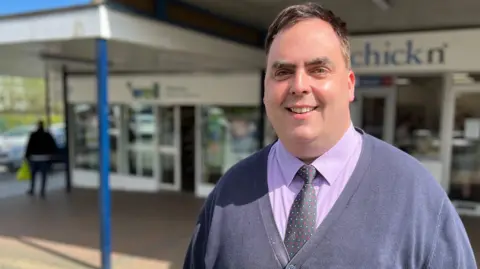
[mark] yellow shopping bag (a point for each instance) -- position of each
(24, 172)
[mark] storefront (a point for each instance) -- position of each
(421, 92)
(417, 91)
(166, 130)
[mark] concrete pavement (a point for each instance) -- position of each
(10, 187)
(149, 230)
(62, 232)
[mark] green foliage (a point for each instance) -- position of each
(23, 102)
(10, 120)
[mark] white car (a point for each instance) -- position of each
(13, 143)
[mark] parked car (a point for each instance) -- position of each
(13, 143)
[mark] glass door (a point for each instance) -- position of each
(465, 147)
(141, 136)
(374, 111)
(168, 168)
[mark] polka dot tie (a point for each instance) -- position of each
(303, 214)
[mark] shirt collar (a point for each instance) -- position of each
(329, 164)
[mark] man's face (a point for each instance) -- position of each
(308, 86)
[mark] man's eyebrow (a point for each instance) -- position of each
(282, 64)
(315, 61)
(319, 61)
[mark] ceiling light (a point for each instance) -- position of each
(462, 78)
(402, 81)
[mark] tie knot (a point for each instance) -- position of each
(307, 173)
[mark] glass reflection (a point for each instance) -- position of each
(166, 166)
(86, 136)
(373, 118)
(166, 126)
(465, 166)
(229, 134)
(141, 133)
(418, 120)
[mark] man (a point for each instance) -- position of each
(41, 150)
(325, 195)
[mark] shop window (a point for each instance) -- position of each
(167, 168)
(141, 143)
(418, 119)
(373, 116)
(167, 143)
(138, 134)
(166, 127)
(229, 134)
(85, 138)
(465, 162)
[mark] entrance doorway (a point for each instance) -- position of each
(154, 144)
(374, 111)
(169, 161)
(188, 126)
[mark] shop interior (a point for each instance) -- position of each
(465, 158)
(417, 120)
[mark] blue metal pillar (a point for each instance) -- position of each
(104, 193)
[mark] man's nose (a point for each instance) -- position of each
(300, 83)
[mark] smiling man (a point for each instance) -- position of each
(326, 194)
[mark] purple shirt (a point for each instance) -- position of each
(335, 166)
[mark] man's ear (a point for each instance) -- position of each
(351, 86)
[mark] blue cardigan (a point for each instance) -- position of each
(392, 214)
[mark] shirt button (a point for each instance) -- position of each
(291, 266)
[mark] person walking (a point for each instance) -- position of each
(40, 153)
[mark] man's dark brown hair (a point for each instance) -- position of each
(296, 13)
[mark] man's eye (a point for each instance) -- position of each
(319, 70)
(282, 73)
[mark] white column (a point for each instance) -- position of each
(446, 128)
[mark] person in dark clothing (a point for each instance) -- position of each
(41, 150)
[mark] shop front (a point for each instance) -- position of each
(421, 93)
(417, 91)
(166, 131)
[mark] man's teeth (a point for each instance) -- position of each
(301, 110)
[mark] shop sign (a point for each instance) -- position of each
(391, 54)
(374, 81)
(180, 92)
(146, 93)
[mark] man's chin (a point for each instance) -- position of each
(303, 134)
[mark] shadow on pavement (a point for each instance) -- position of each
(57, 254)
(149, 229)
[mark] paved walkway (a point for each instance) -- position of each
(62, 232)
(149, 230)
(10, 187)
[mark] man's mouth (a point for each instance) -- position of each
(301, 110)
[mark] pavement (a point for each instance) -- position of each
(149, 230)
(10, 187)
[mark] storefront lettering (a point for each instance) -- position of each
(180, 92)
(409, 54)
(152, 92)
